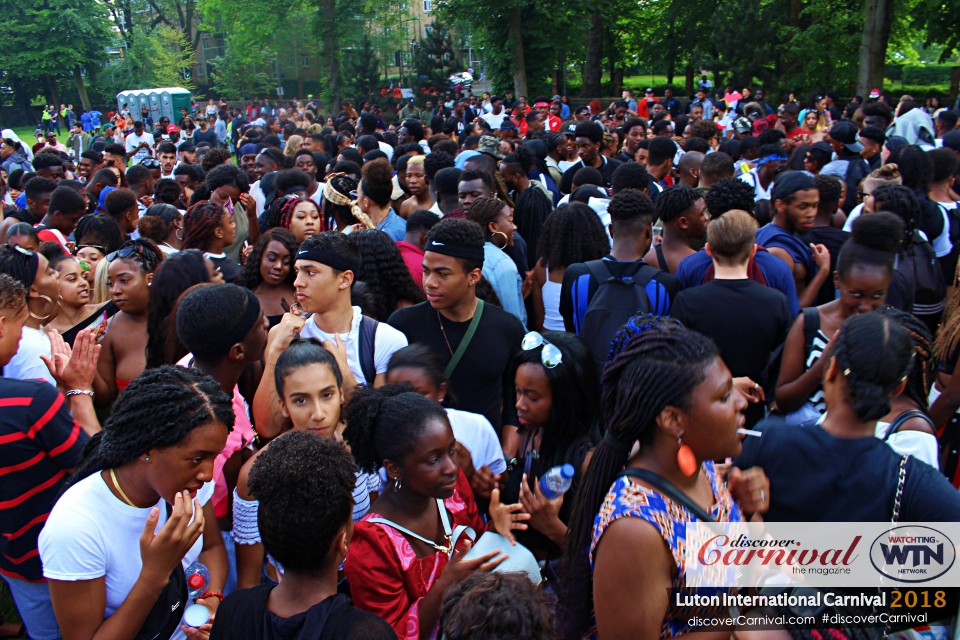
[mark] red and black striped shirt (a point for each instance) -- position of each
(39, 442)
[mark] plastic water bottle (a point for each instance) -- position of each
(198, 579)
(557, 481)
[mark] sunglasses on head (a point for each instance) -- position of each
(150, 162)
(123, 252)
(92, 246)
(550, 355)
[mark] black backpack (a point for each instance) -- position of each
(615, 302)
(367, 348)
(930, 291)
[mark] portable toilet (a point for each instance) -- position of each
(165, 101)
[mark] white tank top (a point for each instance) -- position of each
(552, 320)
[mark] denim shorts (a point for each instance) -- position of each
(36, 610)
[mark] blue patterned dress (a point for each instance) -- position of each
(628, 499)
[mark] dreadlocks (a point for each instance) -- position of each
(199, 224)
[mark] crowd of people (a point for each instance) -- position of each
(287, 369)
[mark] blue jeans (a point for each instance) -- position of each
(36, 610)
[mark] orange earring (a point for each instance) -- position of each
(686, 460)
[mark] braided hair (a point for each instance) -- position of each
(250, 276)
(383, 270)
(146, 253)
(874, 354)
(483, 211)
(572, 233)
(921, 372)
(655, 363)
(199, 224)
(13, 294)
(16, 263)
(673, 202)
(901, 201)
(158, 410)
(98, 230)
(385, 423)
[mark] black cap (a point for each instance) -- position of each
(187, 146)
(875, 134)
(269, 188)
(846, 133)
(952, 141)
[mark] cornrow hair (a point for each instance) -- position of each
(655, 363)
(385, 423)
(921, 373)
(250, 276)
(901, 201)
(673, 202)
(146, 253)
(873, 354)
(15, 262)
(383, 270)
(157, 410)
(201, 221)
(483, 211)
(729, 194)
(13, 294)
(572, 233)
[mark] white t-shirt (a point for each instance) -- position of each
(855, 213)
(258, 197)
(752, 179)
(386, 148)
(494, 120)
(386, 342)
(91, 534)
(316, 196)
(27, 365)
(133, 141)
(476, 433)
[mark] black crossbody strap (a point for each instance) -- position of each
(668, 489)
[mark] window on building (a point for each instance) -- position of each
(199, 69)
(289, 63)
(206, 44)
(428, 30)
(427, 6)
(304, 61)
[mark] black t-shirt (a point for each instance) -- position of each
(817, 477)
(481, 382)
(609, 165)
(746, 340)
(832, 238)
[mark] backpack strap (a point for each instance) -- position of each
(905, 417)
(367, 349)
(661, 259)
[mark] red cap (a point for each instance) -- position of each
(172, 128)
(874, 93)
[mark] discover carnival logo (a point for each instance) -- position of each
(912, 554)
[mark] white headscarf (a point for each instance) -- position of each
(10, 135)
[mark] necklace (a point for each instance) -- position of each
(113, 476)
(440, 320)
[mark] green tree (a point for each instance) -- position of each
(239, 76)
(434, 58)
(361, 69)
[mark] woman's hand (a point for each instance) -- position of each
(484, 482)
(200, 633)
(73, 368)
(752, 390)
(505, 518)
(162, 552)
(282, 335)
(544, 513)
(750, 488)
(458, 568)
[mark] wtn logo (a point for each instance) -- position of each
(912, 554)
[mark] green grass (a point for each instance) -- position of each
(26, 135)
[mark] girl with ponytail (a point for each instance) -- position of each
(865, 273)
(138, 510)
(401, 557)
(666, 388)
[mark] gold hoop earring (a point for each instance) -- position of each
(48, 300)
(506, 240)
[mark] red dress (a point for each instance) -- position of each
(386, 576)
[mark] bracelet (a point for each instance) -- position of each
(79, 392)
(212, 594)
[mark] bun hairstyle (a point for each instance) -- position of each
(303, 352)
(876, 240)
(384, 424)
(874, 354)
(377, 182)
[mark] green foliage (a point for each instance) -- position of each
(237, 76)
(825, 51)
(928, 74)
(156, 59)
(939, 21)
(434, 58)
(360, 69)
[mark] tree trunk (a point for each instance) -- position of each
(688, 82)
(954, 83)
(592, 65)
(796, 6)
(515, 37)
(330, 61)
(54, 91)
(878, 18)
(618, 81)
(671, 70)
(81, 89)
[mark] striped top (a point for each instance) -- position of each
(39, 442)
